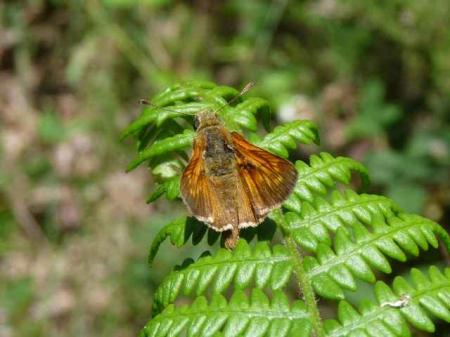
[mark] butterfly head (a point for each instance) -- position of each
(205, 119)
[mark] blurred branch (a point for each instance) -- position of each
(124, 43)
(271, 22)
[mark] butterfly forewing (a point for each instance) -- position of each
(268, 179)
(194, 185)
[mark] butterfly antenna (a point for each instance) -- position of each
(247, 88)
(244, 90)
(146, 102)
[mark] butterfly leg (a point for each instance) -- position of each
(232, 239)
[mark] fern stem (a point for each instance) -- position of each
(306, 287)
(304, 282)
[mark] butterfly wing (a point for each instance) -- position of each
(267, 179)
(194, 185)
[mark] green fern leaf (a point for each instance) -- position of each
(243, 114)
(241, 316)
(167, 175)
(322, 173)
(285, 137)
(170, 107)
(167, 105)
(188, 100)
(193, 92)
(168, 169)
(170, 187)
(261, 266)
(355, 255)
(156, 115)
(179, 232)
(178, 142)
(313, 223)
(418, 303)
(334, 270)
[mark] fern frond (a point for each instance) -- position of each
(243, 114)
(195, 91)
(179, 232)
(314, 222)
(418, 303)
(167, 180)
(170, 187)
(358, 253)
(181, 141)
(167, 169)
(241, 316)
(355, 255)
(323, 172)
(155, 115)
(285, 137)
(349, 236)
(261, 266)
(184, 99)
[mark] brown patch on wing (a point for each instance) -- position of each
(194, 185)
(267, 179)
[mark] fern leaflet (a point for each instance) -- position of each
(178, 142)
(241, 316)
(418, 303)
(285, 137)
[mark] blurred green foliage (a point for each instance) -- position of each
(374, 75)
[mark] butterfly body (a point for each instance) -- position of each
(230, 183)
(219, 153)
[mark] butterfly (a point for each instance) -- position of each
(230, 183)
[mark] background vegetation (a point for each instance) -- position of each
(74, 228)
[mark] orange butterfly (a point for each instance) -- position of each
(229, 183)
